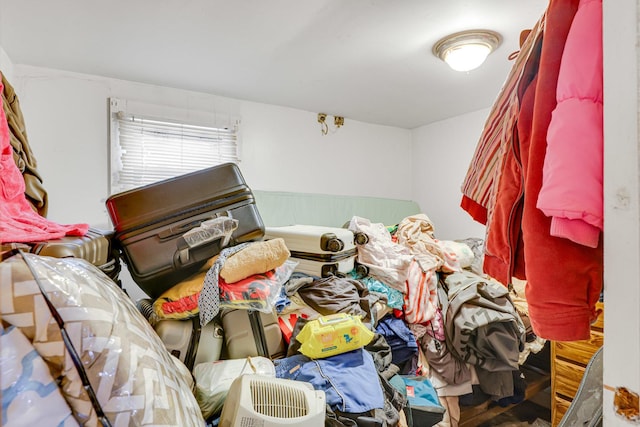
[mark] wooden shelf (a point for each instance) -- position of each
(537, 381)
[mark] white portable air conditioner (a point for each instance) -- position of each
(258, 400)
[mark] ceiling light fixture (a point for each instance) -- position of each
(466, 50)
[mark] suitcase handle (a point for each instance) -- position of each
(181, 229)
(206, 223)
(208, 231)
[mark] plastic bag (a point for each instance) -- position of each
(257, 292)
(30, 395)
(212, 229)
(123, 357)
(214, 379)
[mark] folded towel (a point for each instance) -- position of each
(257, 257)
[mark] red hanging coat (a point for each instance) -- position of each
(564, 278)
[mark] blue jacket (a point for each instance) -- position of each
(349, 380)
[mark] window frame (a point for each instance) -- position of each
(138, 112)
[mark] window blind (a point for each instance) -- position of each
(150, 149)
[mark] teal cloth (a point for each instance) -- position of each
(395, 299)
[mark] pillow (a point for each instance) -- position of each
(30, 396)
(134, 377)
(457, 254)
(257, 257)
(213, 379)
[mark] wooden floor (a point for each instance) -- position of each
(525, 414)
(535, 411)
(536, 406)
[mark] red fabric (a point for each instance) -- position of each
(287, 323)
(564, 279)
(572, 193)
(255, 288)
(504, 247)
(183, 305)
(19, 223)
(475, 209)
(483, 175)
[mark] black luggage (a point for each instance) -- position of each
(169, 229)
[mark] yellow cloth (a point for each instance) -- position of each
(181, 300)
(258, 257)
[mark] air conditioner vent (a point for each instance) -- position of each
(278, 400)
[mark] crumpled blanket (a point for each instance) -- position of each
(420, 299)
(416, 232)
(19, 223)
(386, 260)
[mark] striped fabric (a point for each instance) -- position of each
(484, 171)
(421, 298)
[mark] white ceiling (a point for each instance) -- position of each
(366, 60)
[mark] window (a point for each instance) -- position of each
(146, 149)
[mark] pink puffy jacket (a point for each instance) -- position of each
(571, 192)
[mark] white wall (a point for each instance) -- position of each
(621, 204)
(282, 148)
(442, 152)
(6, 66)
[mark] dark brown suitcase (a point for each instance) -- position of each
(150, 224)
(96, 247)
